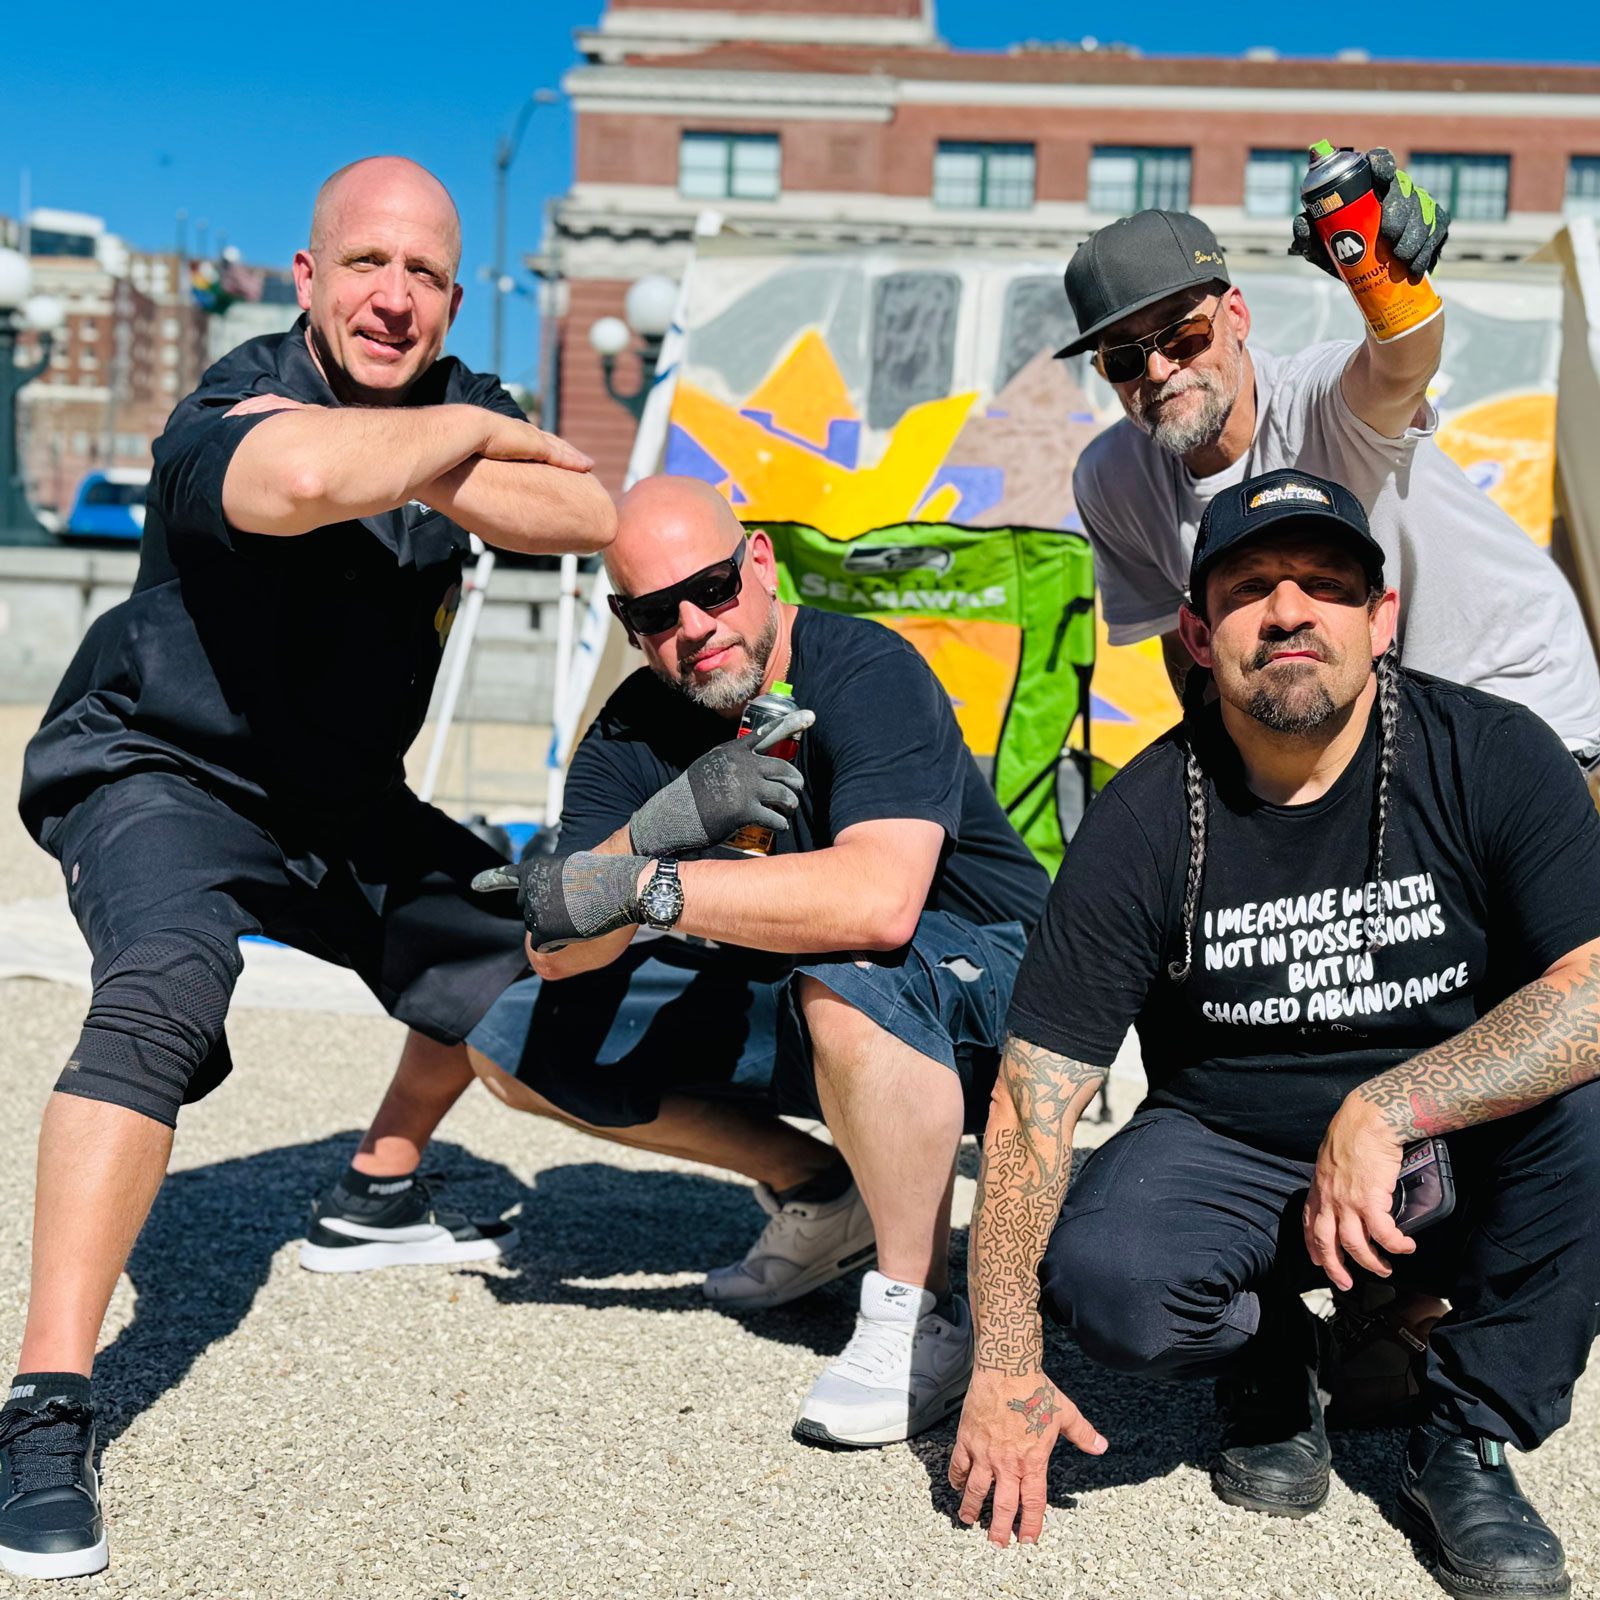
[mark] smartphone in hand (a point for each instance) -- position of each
(1426, 1190)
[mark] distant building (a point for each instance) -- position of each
(851, 123)
(134, 342)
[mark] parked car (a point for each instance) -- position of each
(109, 505)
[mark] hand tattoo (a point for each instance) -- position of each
(1039, 1408)
(1022, 1182)
(1534, 1045)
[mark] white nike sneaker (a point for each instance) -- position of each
(806, 1244)
(904, 1370)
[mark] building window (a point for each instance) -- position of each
(1583, 187)
(728, 166)
(992, 177)
(1475, 188)
(1272, 182)
(1126, 178)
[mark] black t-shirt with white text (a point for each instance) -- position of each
(288, 676)
(1490, 873)
(886, 745)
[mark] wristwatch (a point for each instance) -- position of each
(661, 900)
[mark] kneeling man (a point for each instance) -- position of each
(872, 954)
(1348, 908)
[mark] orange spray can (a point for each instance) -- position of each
(1344, 209)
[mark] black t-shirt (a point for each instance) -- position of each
(885, 745)
(287, 675)
(1491, 872)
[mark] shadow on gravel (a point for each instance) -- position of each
(208, 1246)
(585, 1223)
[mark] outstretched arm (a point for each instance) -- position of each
(1013, 1412)
(529, 506)
(307, 466)
(1536, 1044)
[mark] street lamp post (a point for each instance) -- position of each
(18, 524)
(505, 153)
(648, 309)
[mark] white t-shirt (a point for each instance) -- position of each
(1480, 603)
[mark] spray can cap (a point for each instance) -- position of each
(785, 689)
(1322, 149)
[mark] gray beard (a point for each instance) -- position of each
(730, 689)
(1203, 429)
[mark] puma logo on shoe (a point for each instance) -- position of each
(23, 1391)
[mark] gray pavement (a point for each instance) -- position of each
(576, 1423)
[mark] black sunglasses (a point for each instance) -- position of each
(1179, 341)
(709, 589)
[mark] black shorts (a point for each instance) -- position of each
(152, 853)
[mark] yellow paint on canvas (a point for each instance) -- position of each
(785, 480)
(977, 663)
(1518, 434)
(805, 393)
(1132, 679)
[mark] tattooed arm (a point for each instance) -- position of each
(1536, 1044)
(1013, 1412)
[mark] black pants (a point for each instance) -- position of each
(1173, 1231)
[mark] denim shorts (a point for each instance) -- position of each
(673, 1016)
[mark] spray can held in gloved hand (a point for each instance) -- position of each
(760, 715)
(1345, 210)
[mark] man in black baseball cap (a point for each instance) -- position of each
(1348, 909)
(1135, 262)
(1204, 408)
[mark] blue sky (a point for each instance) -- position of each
(236, 113)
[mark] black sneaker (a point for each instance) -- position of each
(1274, 1456)
(50, 1522)
(1460, 1500)
(354, 1233)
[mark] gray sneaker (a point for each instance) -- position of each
(804, 1245)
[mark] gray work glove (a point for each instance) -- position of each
(577, 896)
(1413, 223)
(730, 787)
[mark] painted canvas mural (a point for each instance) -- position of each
(856, 392)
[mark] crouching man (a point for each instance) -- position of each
(1347, 907)
(872, 954)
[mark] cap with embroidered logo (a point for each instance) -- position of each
(1275, 504)
(1132, 263)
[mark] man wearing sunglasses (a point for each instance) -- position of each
(858, 975)
(1166, 327)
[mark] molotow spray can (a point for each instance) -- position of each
(1344, 209)
(760, 715)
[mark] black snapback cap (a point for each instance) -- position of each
(1272, 503)
(1133, 262)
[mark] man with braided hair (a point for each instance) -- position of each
(1347, 907)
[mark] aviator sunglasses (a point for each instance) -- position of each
(1179, 342)
(709, 589)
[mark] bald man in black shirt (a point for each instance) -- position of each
(225, 757)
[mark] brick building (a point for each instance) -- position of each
(849, 122)
(131, 344)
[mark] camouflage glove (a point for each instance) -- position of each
(732, 786)
(1412, 222)
(577, 896)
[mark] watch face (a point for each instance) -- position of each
(662, 900)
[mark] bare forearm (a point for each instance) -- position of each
(304, 468)
(1022, 1182)
(525, 505)
(821, 900)
(1536, 1044)
(1384, 384)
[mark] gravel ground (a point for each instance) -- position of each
(576, 1423)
